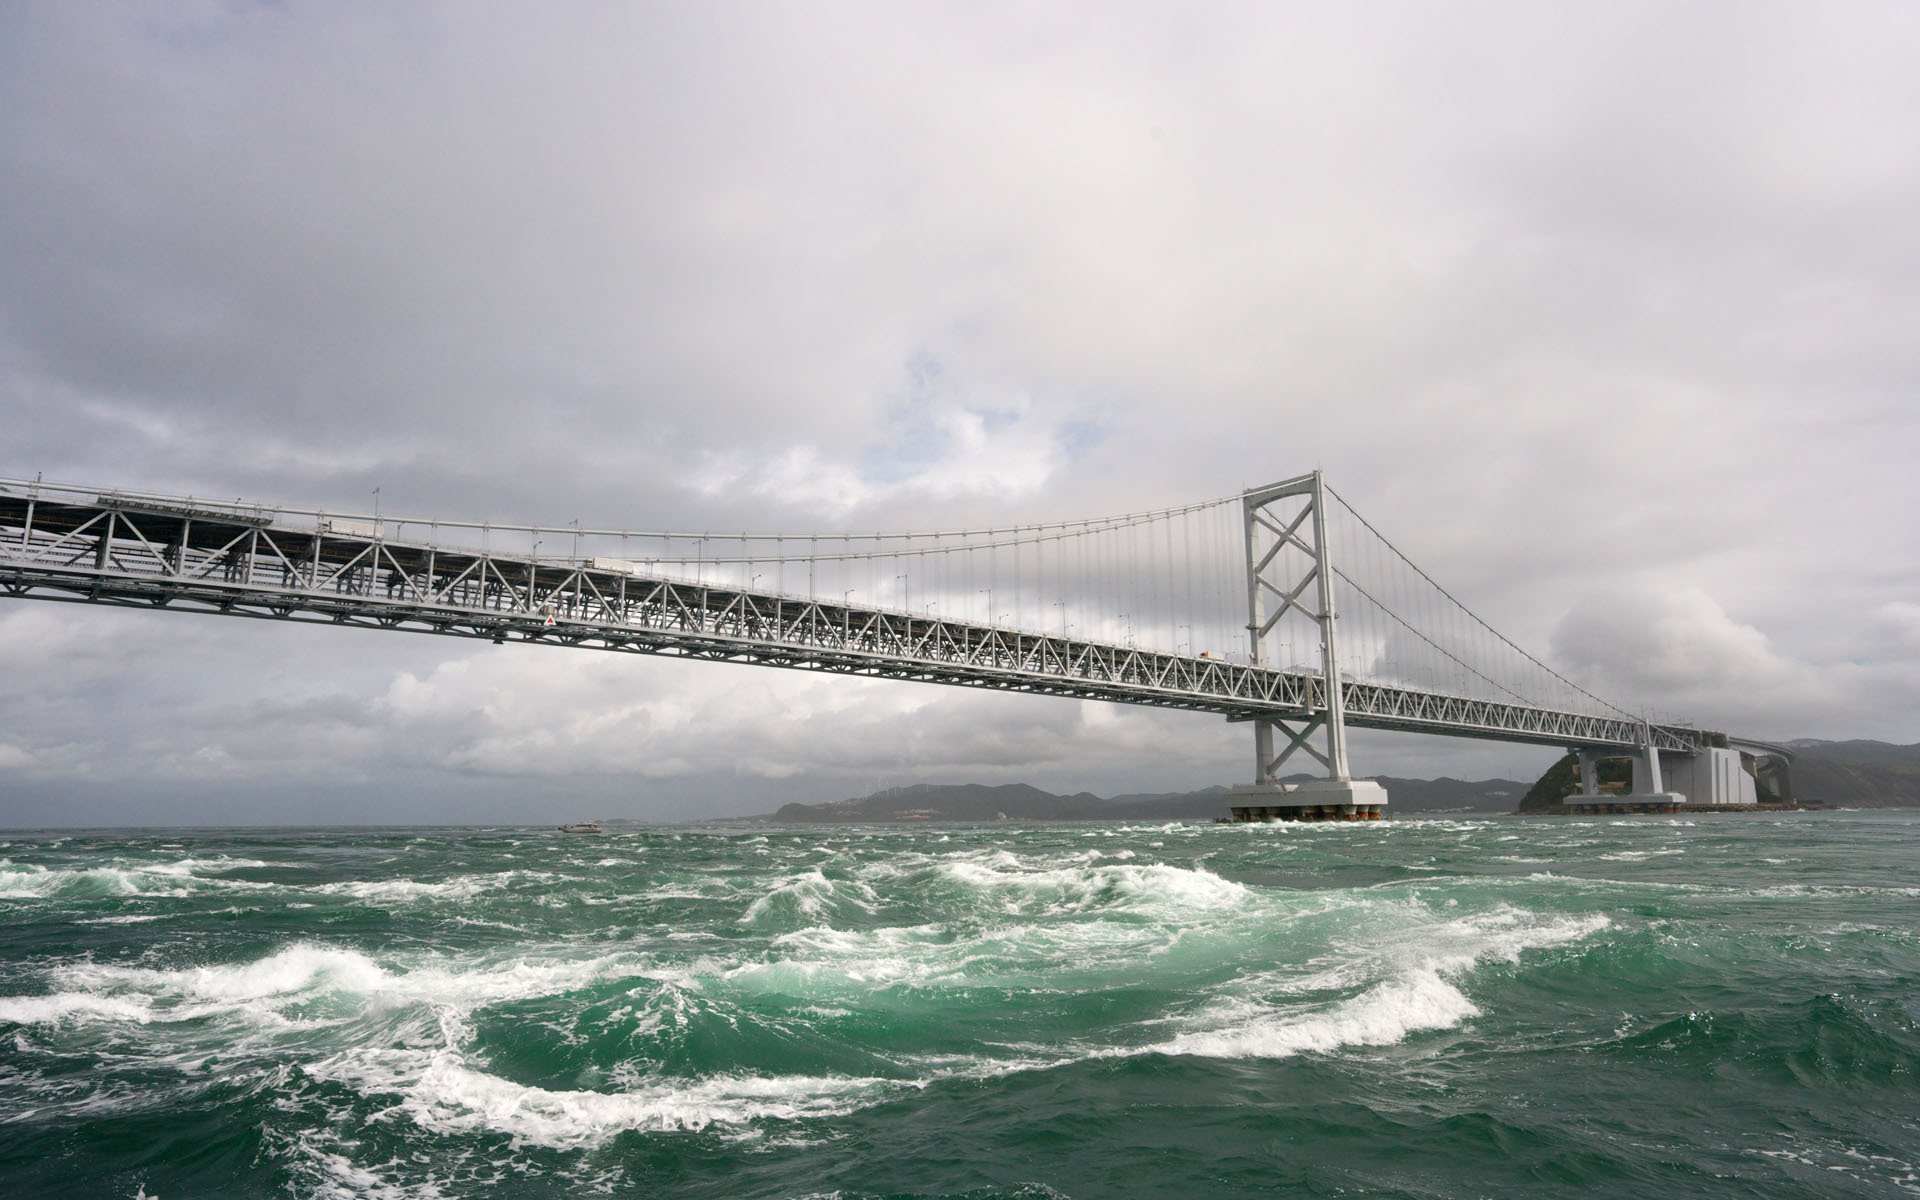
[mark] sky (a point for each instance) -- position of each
(1609, 315)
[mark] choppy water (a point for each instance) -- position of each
(1649, 1007)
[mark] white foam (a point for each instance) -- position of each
(26, 881)
(403, 890)
(820, 961)
(1015, 888)
(1419, 994)
(439, 1091)
(1380, 1016)
(31, 881)
(272, 991)
(460, 887)
(61, 1006)
(673, 891)
(200, 866)
(297, 969)
(807, 896)
(340, 1178)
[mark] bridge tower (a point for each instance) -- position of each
(1290, 578)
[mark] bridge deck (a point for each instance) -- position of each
(56, 544)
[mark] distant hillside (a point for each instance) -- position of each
(1020, 802)
(1856, 774)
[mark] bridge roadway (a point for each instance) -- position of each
(155, 552)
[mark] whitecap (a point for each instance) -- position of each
(459, 887)
(1154, 886)
(1380, 1016)
(340, 1178)
(27, 881)
(807, 896)
(1422, 961)
(63, 1006)
(441, 1092)
(275, 991)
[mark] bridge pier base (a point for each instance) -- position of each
(1313, 800)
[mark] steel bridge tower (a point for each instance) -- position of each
(1290, 575)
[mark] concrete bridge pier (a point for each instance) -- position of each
(1770, 771)
(1712, 776)
(1589, 771)
(1649, 792)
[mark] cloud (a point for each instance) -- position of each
(1899, 622)
(1568, 300)
(1677, 652)
(946, 441)
(1666, 639)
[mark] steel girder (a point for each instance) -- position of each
(245, 563)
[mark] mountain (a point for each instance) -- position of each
(1856, 774)
(1021, 802)
(1850, 774)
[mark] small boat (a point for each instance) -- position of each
(582, 827)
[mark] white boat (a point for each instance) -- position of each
(582, 827)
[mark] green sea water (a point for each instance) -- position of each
(1649, 1007)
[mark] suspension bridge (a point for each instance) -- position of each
(1281, 607)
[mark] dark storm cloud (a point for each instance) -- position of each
(1568, 300)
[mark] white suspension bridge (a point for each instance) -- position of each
(1280, 606)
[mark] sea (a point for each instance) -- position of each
(1668, 1007)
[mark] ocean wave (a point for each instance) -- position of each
(157, 880)
(1382, 1015)
(279, 987)
(807, 898)
(1016, 888)
(1423, 961)
(403, 891)
(338, 1177)
(441, 1091)
(64, 1006)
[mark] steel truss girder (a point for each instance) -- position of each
(195, 561)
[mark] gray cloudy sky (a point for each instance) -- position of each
(1608, 314)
